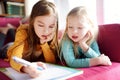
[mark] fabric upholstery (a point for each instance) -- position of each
(5, 20)
(4, 63)
(100, 73)
(109, 40)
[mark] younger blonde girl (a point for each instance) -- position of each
(78, 46)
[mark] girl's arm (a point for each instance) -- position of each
(68, 55)
(93, 50)
(48, 53)
(17, 48)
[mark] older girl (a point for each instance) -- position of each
(36, 41)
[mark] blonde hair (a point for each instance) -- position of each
(82, 12)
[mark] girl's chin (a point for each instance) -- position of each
(76, 41)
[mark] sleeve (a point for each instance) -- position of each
(68, 55)
(93, 50)
(17, 48)
(48, 53)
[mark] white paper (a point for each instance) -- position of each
(53, 72)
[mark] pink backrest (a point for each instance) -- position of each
(109, 40)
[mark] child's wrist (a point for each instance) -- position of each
(84, 47)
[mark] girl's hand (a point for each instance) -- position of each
(41, 65)
(83, 42)
(86, 37)
(104, 60)
(101, 60)
(32, 71)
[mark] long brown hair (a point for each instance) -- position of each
(41, 8)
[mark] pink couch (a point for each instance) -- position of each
(108, 41)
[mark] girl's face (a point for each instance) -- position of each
(77, 28)
(45, 27)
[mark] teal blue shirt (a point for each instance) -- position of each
(67, 51)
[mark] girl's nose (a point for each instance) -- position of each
(46, 31)
(75, 30)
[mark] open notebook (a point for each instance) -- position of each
(53, 72)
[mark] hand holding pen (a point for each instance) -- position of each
(29, 68)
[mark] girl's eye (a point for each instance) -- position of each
(79, 28)
(51, 26)
(40, 25)
(70, 27)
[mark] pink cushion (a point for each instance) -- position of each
(109, 40)
(5, 20)
(4, 63)
(100, 73)
(3, 76)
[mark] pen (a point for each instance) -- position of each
(25, 63)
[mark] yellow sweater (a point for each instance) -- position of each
(19, 47)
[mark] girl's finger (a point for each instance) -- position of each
(42, 65)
